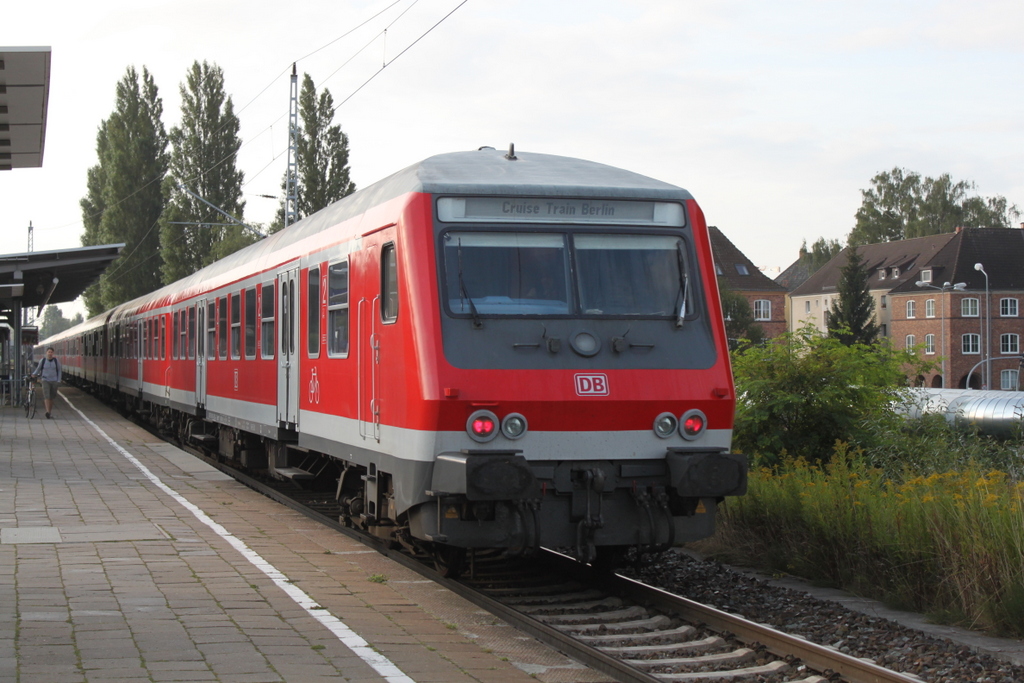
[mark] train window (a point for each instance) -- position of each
(267, 304)
(175, 332)
(507, 273)
(163, 337)
(287, 323)
(190, 339)
(337, 309)
(250, 323)
(389, 284)
(222, 327)
(631, 275)
(313, 312)
(211, 331)
(236, 325)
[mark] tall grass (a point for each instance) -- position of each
(946, 542)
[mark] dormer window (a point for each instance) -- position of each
(895, 272)
(926, 275)
(881, 273)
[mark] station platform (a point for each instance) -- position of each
(123, 558)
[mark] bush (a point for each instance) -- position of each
(802, 392)
(950, 544)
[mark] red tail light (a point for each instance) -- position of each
(692, 424)
(482, 426)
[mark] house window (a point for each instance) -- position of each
(1009, 343)
(929, 344)
(1008, 308)
(882, 300)
(911, 341)
(742, 269)
(926, 275)
(337, 309)
(762, 309)
(971, 344)
(807, 306)
(969, 307)
(929, 308)
(1008, 380)
(718, 269)
(911, 309)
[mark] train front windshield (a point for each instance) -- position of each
(565, 274)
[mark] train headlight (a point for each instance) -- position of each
(665, 425)
(692, 424)
(482, 426)
(513, 426)
(585, 344)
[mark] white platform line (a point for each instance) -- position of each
(381, 664)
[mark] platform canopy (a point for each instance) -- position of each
(24, 96)
(39, 278)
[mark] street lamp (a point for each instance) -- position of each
(944, 288)
(988, 329)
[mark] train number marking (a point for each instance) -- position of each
(592, 385)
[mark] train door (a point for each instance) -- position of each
(200, 336)
(288, 359)
(374, 312)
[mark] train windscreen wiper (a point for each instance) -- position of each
(465, 294)
(684, 283)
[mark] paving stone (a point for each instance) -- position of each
(94, 556)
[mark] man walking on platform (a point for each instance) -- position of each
(49, 371)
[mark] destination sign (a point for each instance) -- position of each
(559, 210)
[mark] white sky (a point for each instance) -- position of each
(774, 115)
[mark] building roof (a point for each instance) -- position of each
(889, 264)
(999, 250)
(24, 97)
(738, 271)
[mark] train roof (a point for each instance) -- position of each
(485, 171)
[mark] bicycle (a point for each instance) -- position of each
(30, 397)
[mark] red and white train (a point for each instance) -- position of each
(483, 350)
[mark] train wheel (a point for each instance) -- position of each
(449, 561)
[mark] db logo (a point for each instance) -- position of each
(592, 385)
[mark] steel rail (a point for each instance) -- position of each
(817, 657)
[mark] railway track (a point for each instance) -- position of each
(630, 631)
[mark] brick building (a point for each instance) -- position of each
(948, 317)
(963, 317)
(766, 297)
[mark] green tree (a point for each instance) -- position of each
(92, 213)
(322, 155)
(204, 150)
(54, 322)
(739, 318)
(902, 204)
(820, 253)
(851, 319)
(125, 190)
(803, 391)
